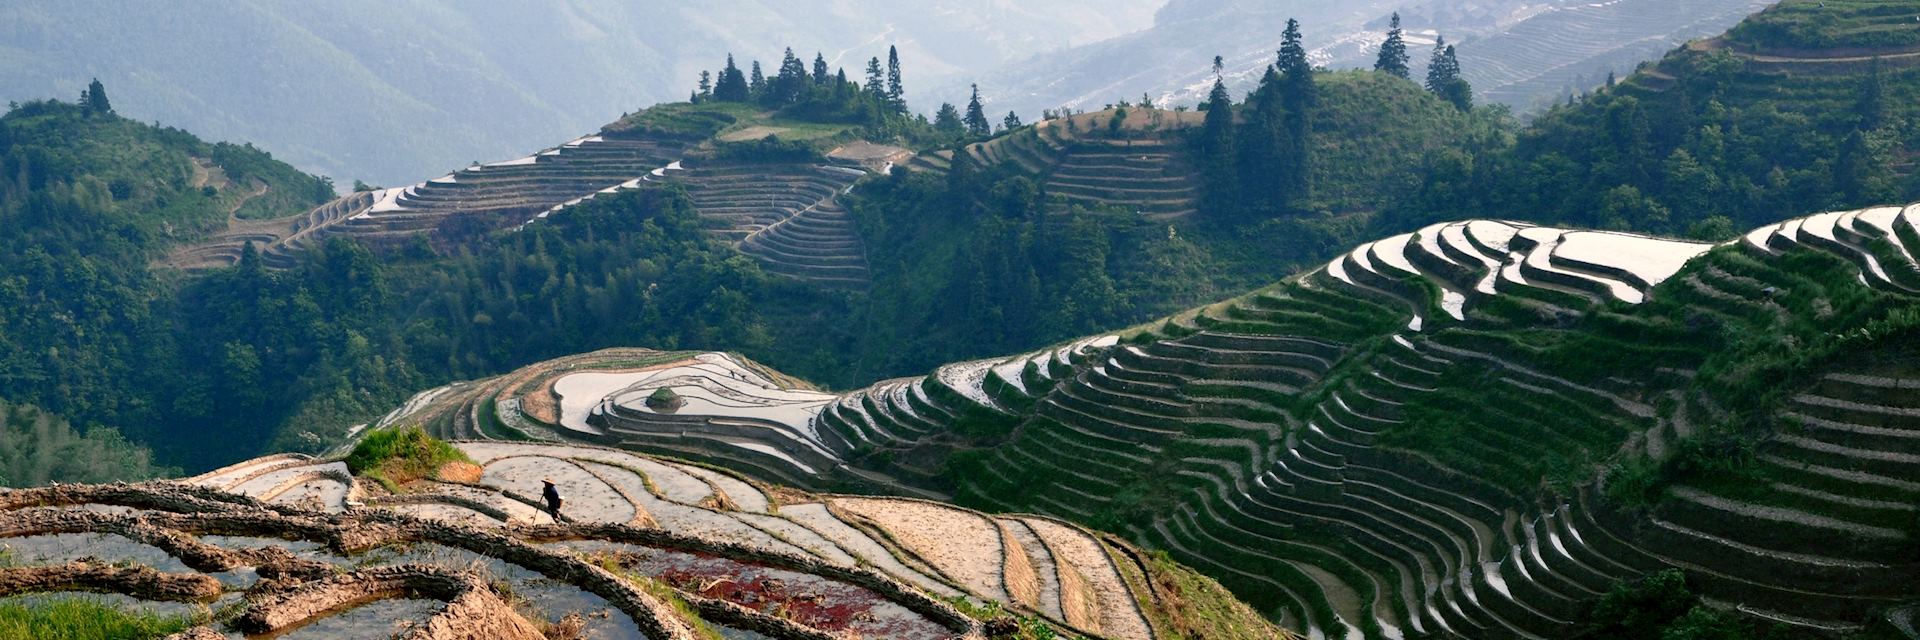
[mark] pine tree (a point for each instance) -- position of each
(1011, 122)
(1263, 145)
(947, 120)
(876, 82)
(960, 172)
(1437, 73)
(1298, 94)
(790, 84)
(1869, 102)
(895, 91)
(1216, 149)
(732, 86)
(976, 119)
(1219, 63)
(250, 261)
(1393, 52)
(1450, 85)
(1293, 53)
(757, 82)
(821, 74)
(95, 98)
(1851, 168)
(706, 85)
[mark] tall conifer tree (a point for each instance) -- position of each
(96, 98)
(790, 84)
(1437, 72)
(732, 86)
(896, 91)
(876, 82)
(976, 120)
(1298, 95)
(1216, 150)
(1263, 144)
(1393, 53)
(1443, 77)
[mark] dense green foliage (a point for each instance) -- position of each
(1706, 133)
(207, 369)
(37, 449)
(1662, 606)
(80, 618)
(87, 330)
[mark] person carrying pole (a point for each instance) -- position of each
(552, 495)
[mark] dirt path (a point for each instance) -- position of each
(1896, 58)
(259, 189)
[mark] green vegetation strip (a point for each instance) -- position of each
(81, 618)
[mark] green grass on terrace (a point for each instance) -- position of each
(81, 618)
(727, 122)
(1833, 24)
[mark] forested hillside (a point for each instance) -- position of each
(1808, 105)
(37, 449)
(87, 331)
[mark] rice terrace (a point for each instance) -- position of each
(1314, 342)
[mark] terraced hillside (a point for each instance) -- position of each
(1474, 429)
(474, 199)
(645, 547)
(1085, 161)
(786, 215)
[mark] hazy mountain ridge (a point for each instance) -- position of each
(1514, 52)
(387, 92)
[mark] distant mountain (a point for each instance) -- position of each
(1515, 52)
(388, 91)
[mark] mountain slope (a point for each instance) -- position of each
(1804, 106)
(427, 85)
(1522, 54)
(1477, 429)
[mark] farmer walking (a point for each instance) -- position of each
(552, 494)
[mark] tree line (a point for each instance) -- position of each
(1256, 158)
(823, 94)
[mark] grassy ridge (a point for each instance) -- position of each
(1831, 24)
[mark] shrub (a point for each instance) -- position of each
(768, 149)
(398, 456)
(663, 398)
